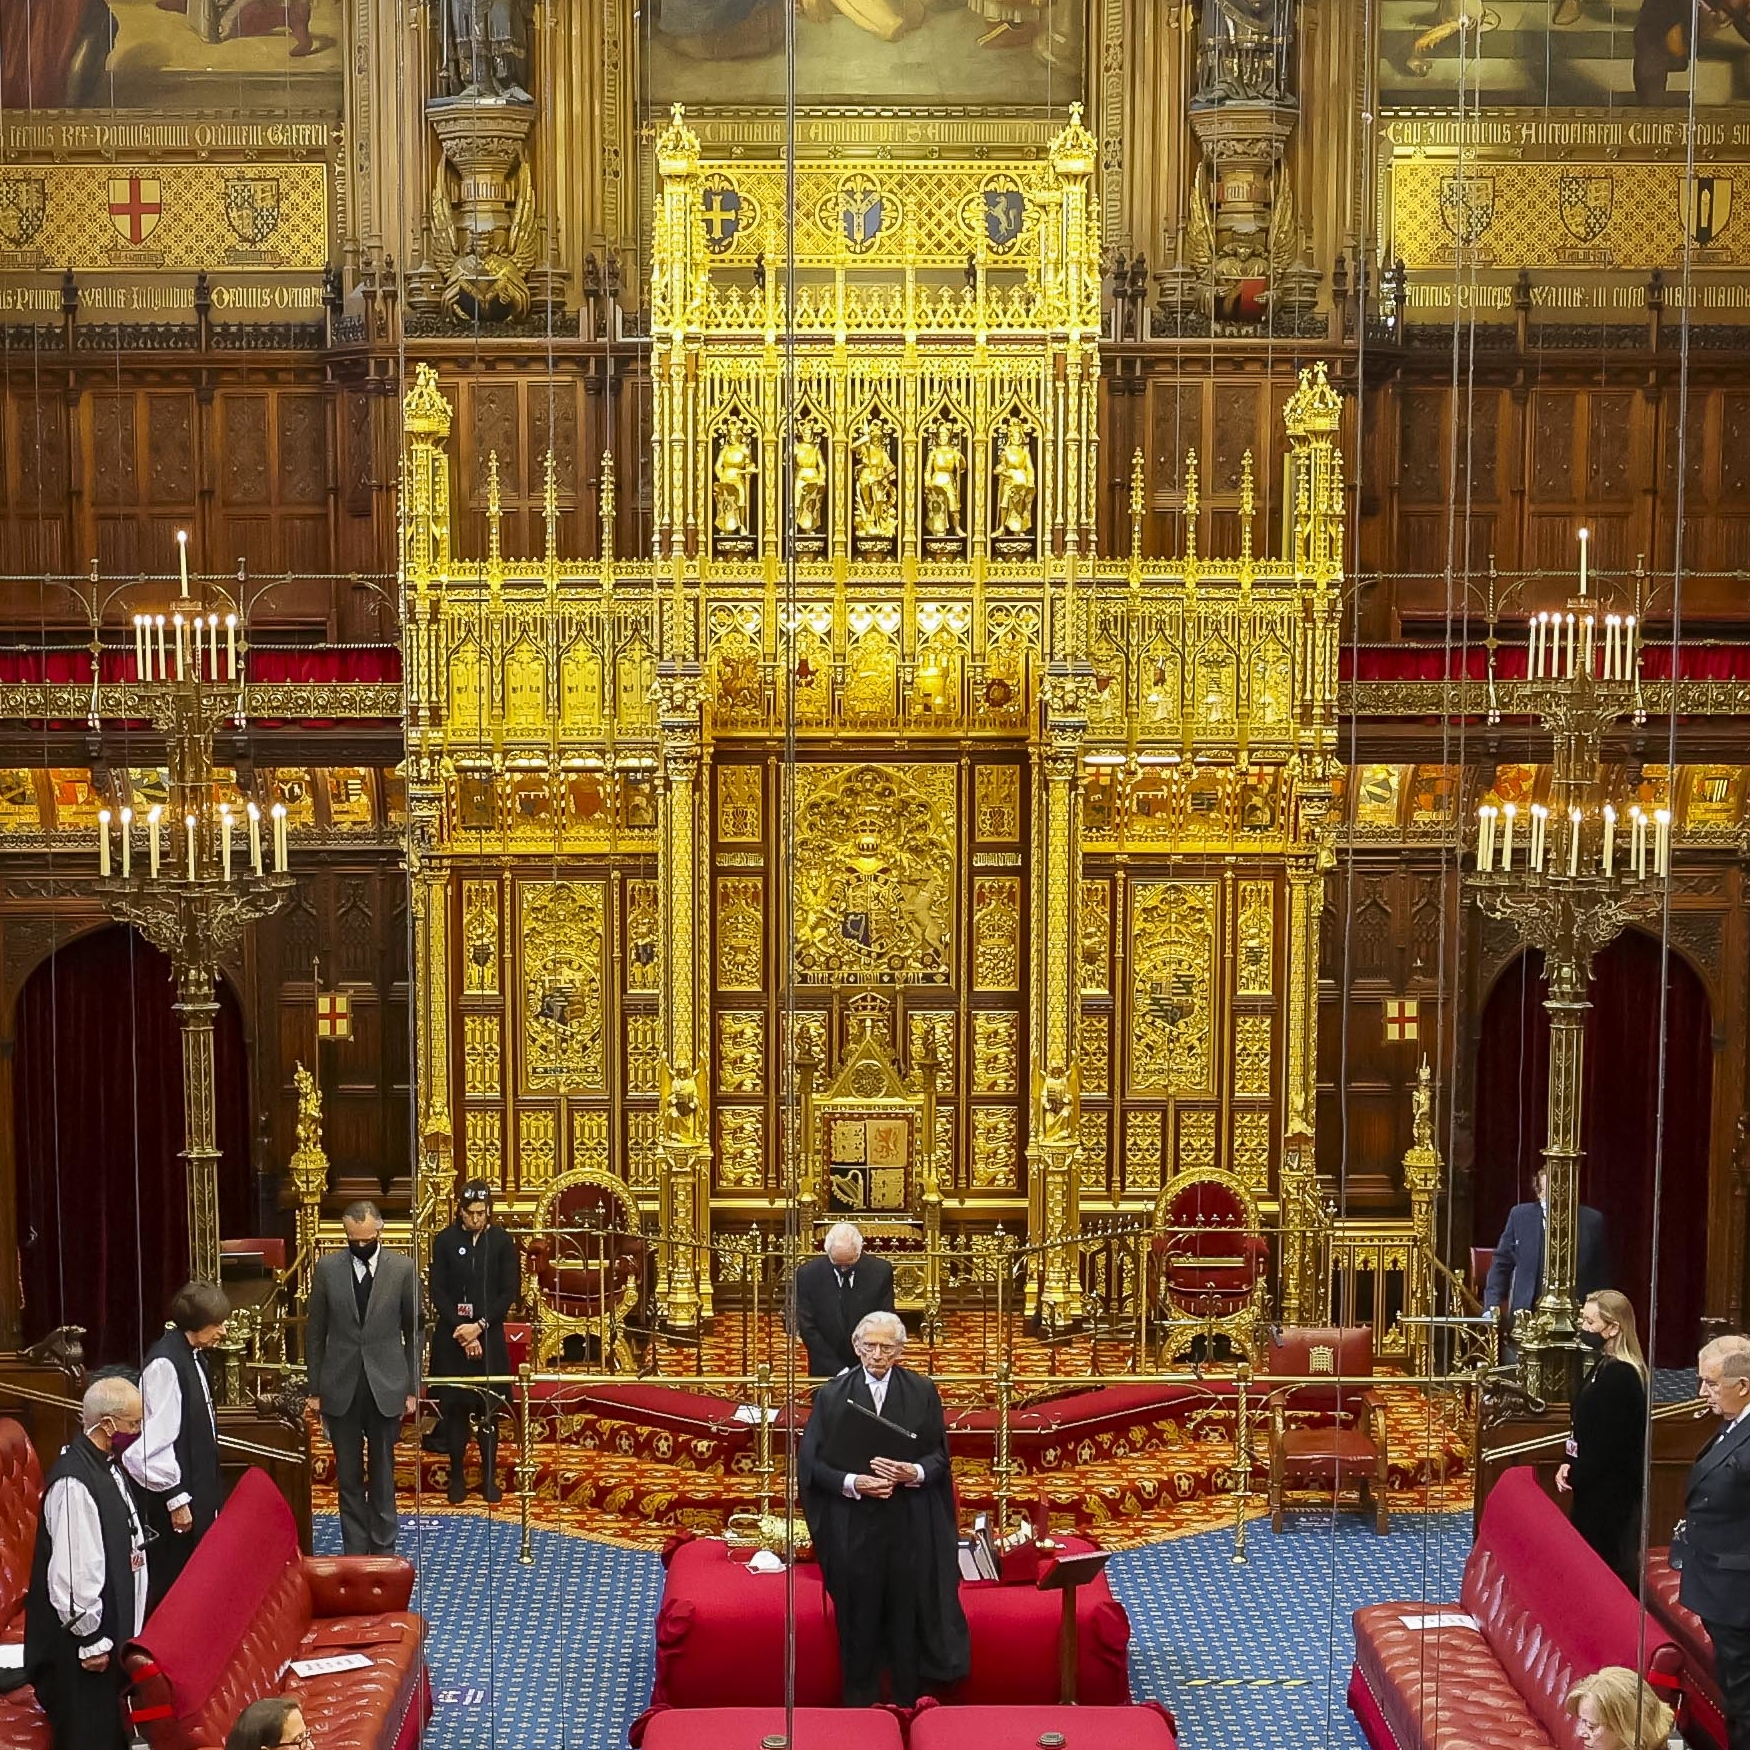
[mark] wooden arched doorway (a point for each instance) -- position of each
(97, 1123)
(1621, 1107)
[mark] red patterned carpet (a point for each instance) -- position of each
(1131, 1461)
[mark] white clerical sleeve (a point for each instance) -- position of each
(151, 1460)
(76, 1563)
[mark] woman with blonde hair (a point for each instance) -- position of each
(1614, 1709)
(1607, 1448)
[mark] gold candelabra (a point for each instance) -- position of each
(190, 876)
(1570, 881)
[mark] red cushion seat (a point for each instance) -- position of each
(748, 1728)
(1144, 1726)
(1316, 1454)
(22, 1723)
(1702, 1701)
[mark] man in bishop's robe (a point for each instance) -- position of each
(886, 1539)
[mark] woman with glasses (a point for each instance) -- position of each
(274, 1724)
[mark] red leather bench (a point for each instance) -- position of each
(1145, 1726)
(751, 1728)
(1703, 1706)
(720, 1638)
(1547, 1612)
(22, 1725)
(250, 1601)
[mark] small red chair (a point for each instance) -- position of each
(1326, 1437)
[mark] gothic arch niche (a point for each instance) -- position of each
(96, 1128)
(1621, 1092)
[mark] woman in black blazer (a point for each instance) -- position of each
(1607, 1449)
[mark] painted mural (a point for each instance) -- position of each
(929, 53)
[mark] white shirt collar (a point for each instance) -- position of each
(877, 1387)
(365, 1266)
(1736, 1420)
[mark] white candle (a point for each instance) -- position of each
(1610, 626)
(176, 621)
(1662, 843)
(225, 836)
(127, 819)
(279, 838)
(1537, 647)
(182, 558)
(1585, 538)
(1573, 842)
(1509, 812)
(163, 665)
(103, 843)
(188, 824)
(1637, 842)
(213, 643)
(1486, 839)
(230, 647)
(1609, 841)
(197, 647)
(1539, 825)
(1570, 646)
(139, 650)
(255, 837)
(154, 818)
(1586, 644)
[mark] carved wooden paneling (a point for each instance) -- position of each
(1422, 447)
(243, 471)
(303, 449)
(1236, 433)
(170, 449)
(1552, 445)
(1610, 446)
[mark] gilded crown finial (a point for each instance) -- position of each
(1315, 408)
(424, 411)
(1073, 150)
(1138, 484)
(677, 146)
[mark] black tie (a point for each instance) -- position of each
(361, 1290)
(845, 1278)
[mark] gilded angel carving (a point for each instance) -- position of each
(485, 276)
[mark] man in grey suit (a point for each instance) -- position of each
(362, 1345)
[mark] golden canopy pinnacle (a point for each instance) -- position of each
(1315, 407)
(424, 411)
(677, 146)
(1073, 151)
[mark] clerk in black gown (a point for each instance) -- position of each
(1606, 1451)
(886, 1539)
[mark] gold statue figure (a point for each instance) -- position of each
(733, 474)
(1016, 481)
(808, 478)
(877, 507)
(942, 470)
(1057, 1101)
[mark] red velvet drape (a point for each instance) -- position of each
(97, 1123)
(1621, 1104)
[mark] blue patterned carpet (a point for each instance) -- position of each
(559, 1656)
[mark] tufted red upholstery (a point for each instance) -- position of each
(1548, 1613)
(1146, 1725)
(1326, 1436)
(1208, 1260)
(749, 1728)
(247, 1603)
(1702, 1701)
(22, 1726)
(571, 1261)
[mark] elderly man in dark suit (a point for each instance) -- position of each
(1516, 1276)
(361, 1342)
(1712, 1544)
(834, 1293)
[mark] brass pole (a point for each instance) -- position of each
(196, 1005)
(1242, 1459)
(525, 1465)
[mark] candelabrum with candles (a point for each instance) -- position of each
(191, 875)
(1570, 874)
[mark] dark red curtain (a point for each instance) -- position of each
(1621, 1106)
(97, 1122)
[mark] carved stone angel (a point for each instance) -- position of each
(485, 277)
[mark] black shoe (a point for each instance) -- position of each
(458, 1489)
(490, 1492)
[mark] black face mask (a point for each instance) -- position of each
(1593, 1340)
(363, 1250)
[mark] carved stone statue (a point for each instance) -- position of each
(486, 273)
(1016, 481)
(733, 475)
(485, 49)
(942, 471)
(877, 506)
(808, 478)
(1245, 51)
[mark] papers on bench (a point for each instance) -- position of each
(333, 1663)
(1440, 1619)
(12, 1656)
(750, 1413)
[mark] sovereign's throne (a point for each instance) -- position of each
(586, 1268)
(1208, 1263)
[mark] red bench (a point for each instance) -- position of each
(1703, 1707)
(1145, 1726)
(1547, 1612)
(752, 1728)
(247, 1604)
(720, 1638)
(22, 1725)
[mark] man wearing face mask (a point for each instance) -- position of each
(361, 1342)
(87, 1595)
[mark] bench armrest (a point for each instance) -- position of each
(358, 1585)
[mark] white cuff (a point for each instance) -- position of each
(850, 1486)
(179, 1499)
(95, 1649)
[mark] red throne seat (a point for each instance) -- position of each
(22, 1725)
(1145, 1726)
(751, 1728)
(1703, 1705)
(720, 1638)
(247, 1604)
(1547, 1612)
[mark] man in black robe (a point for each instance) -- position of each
(835, 1291)
(474, 1281)
(886, 1538)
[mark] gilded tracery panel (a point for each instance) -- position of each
(560, 943)
(1172, 956)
